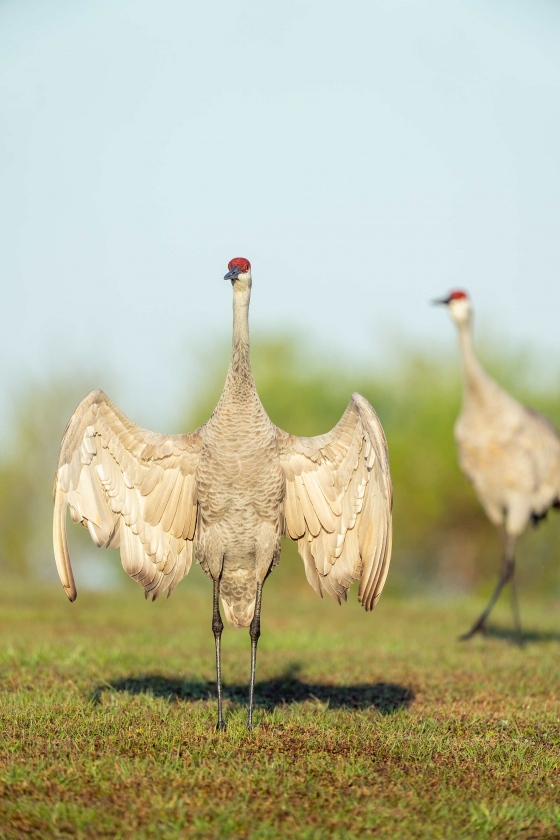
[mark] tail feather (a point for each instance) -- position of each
(239, 616)
(238, 591)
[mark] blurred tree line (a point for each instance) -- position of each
(442, 539)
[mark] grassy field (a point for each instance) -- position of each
(367, 725)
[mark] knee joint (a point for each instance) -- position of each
(217, 626)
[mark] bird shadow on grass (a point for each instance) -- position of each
(508, 634)
(287, 688)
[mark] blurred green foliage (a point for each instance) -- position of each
(442, 539)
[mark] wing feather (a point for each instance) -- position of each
(317, 499)
(309, 514)
(157, 501)
(338, 503)
(294, 515)
(310, 566)
(168, 515)
(183, 501)
(189, 521)
(133, 489)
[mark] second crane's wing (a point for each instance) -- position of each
(133, 489)
(338, 503)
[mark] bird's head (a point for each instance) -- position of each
(458, 304)
(239, 272)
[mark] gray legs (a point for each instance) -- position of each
(217, 627)
(506, 575)
(254, 632)
(515, 610)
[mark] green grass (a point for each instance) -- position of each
(367, 725)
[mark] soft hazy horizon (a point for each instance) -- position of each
(365, 156)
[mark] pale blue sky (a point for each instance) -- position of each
(365, 156)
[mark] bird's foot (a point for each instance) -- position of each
(220, 725)
(479, 627)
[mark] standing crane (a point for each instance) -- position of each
(509, 452)
(227, 493)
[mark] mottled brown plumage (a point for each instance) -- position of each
(228, 492)
(509, 452)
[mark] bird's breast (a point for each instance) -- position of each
(239, 472)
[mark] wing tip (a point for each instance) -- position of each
(61, 554)
(71, 593)
(369, 601)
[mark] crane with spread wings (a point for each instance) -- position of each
(226, 494)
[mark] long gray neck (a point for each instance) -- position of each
(239, 373)
(475, 378)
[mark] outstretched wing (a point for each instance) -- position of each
(132, 489)
(338, 503)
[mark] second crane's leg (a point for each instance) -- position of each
(217, 627)
(506, 574)
(515, 609)
(254, 632)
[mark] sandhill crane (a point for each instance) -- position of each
(228, 492)
(509, 452)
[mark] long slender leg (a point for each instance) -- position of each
(506, 574)
(217, 627)
(515, 610)
(254, 632)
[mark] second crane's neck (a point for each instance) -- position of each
(476, 380)
(240, 364)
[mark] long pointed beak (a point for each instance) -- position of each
(440, 301)
(233, 274)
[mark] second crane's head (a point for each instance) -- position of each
(458, 304)
(239, 272)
